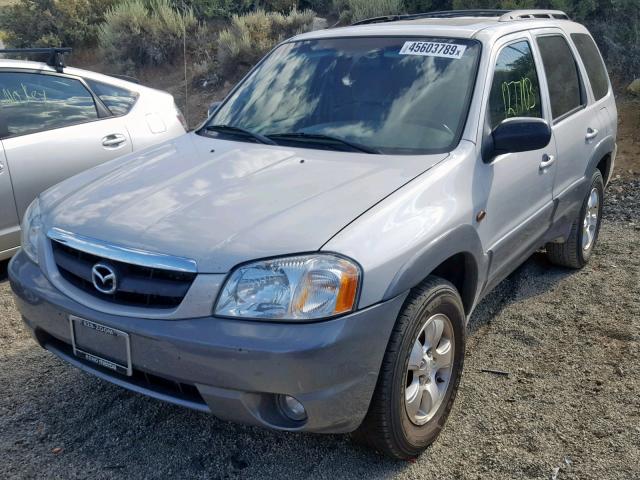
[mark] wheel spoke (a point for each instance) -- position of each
(444, 354)
(586, 239)
(433, 332)
(413, 398)
(431, 398)
(415, 359)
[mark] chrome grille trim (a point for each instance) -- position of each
(122, 254)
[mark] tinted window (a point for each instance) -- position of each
(397, 95)
(593, 63)
(562, 74)
(515, 91)
(32, 102)
(118, 100)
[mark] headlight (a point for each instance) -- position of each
(294, 288)
(31, 227)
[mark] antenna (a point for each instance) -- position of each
(184, 55)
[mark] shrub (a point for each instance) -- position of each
(151, 32)
(209, 9)
(44, 23)
(252, 35)
(356, 10)
(283, 6)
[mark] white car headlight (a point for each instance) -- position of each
(31, 228)
(303, 287)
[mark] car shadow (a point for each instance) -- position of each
(533, 278)
(4, 264)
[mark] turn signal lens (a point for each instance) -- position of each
(348, 291)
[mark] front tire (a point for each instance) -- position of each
(420, 373)
(576, 251)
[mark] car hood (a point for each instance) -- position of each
(223, 202)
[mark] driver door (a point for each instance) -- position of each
(518, 196)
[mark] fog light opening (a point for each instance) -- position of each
(292, 408)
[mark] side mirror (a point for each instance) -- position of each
(519, 134)
(212, 108)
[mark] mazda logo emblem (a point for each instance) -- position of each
(104, 278)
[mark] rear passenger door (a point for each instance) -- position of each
(53, 128)
(576, 122)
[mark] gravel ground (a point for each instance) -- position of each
(569, 408)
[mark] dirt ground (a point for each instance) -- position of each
(569, 408)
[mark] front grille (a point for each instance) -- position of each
(136, 285)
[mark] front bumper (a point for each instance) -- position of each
(231, 368)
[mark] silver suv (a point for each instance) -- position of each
(57, 121)
(309, 258)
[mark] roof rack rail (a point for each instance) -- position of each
(503, 15)
(533, 15)
(436, 14)
(56, 55)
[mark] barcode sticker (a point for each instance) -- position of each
(433, 49)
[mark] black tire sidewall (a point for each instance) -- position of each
(442, 299)
(598, 183)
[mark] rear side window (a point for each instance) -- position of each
(118, 100)
(515, 91)
(562, 73)
(592, 63)
(32, 102)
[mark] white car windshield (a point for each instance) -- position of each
(378, 95)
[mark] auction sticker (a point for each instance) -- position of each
(433, 49)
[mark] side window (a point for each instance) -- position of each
(515, 91)
(118, 100)
(593, 63)
(563, 78)
(32, 102)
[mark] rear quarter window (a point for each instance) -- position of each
(563, 77)
(593, 63)
(118, 100)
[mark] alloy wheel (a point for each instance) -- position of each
(429, 369)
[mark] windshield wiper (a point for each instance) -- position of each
(323, 139)
(240, 131)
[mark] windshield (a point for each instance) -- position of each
(383, 95)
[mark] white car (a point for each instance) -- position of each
(57, 121)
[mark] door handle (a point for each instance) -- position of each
(113, 141)
(1, 167)
(591, 134)
(547, 161)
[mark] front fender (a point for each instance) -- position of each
(460, 240)
(400, 241)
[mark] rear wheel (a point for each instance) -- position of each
(420, 373)
(576, 251)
